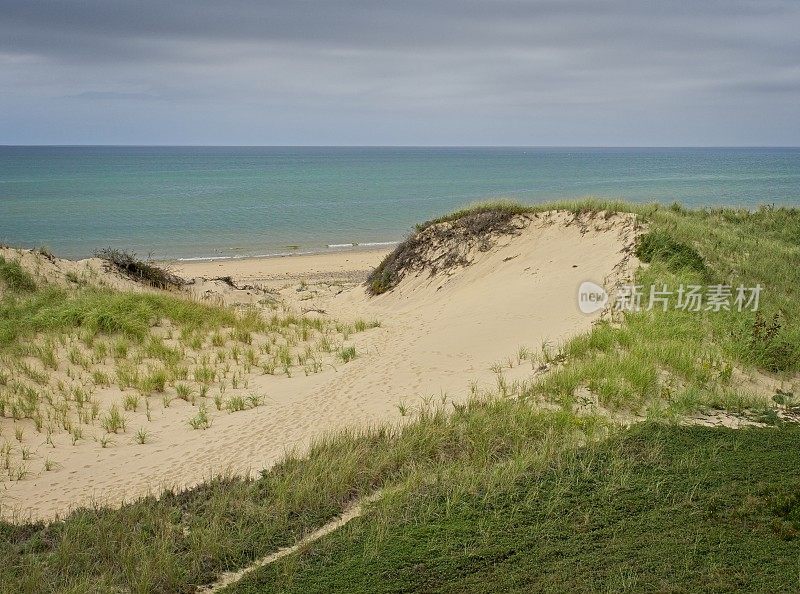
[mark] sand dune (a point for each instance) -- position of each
(439, 334)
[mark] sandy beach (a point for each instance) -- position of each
(350, 266)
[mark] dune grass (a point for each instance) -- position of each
(143, 271)
(100, 311)
(674, 362)
(496, 493)
(476, 227)
(495, 207)
(181, 540)
(15, 278)
(67, 351)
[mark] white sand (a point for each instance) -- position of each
(438, 335)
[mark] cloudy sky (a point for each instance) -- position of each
(401, 72)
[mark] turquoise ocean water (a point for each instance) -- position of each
(221, 202)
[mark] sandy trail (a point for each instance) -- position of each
(351, 513)
(438, 335)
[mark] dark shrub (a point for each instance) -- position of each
(143, 271)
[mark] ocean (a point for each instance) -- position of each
(230, 202)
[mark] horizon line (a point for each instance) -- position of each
(432, 146)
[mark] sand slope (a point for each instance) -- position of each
(91, 271)
(439, 335)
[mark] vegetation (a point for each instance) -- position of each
(495, 494)
(347, 354)
(99, 311)
(528, 495)
(68, 349)
(656, 508)
(659, 246)
(499, 210)
(474, 229)
(180, 540)
(142, 271)
(14, 277)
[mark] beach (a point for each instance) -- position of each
(351, 265)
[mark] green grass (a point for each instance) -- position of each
(98, 311)
(14, 277)
(175, 542)
(664, 509)
(659, 246)
(509, 207)
(347, 354)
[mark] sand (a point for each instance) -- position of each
(351, 265)
(440, 337)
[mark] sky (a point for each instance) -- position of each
(401, 72)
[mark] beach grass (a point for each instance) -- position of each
(82, 358)
(14, 277)
(674, 361)
(494, 493)
(147, 272)
(180, 540)
(98, 311)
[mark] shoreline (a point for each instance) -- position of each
(335, 248)
(349, 264)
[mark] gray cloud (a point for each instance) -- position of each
(403, 71)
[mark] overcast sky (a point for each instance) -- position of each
(401, 72)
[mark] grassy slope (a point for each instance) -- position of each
(179, 541)
(452, 464)
(661, 363)
(653, 509)
(27, 310)
(668, 363)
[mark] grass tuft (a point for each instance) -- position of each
(14, 277)
(145, 272)
(660, 246)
